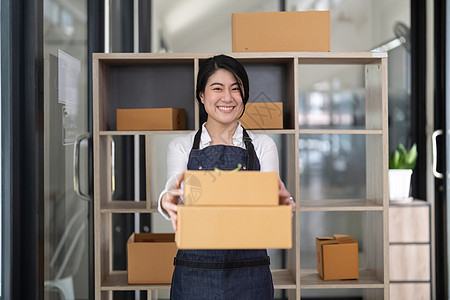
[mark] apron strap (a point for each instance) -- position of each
(250, 150)
(197, 137)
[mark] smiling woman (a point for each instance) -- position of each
(221, 143)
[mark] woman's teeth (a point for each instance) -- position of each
(225, 107)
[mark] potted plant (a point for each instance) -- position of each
(401, 165)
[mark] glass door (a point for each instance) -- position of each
(66, 203)
(441, 148)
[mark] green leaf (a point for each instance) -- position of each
(394, 160)
(411, 158)
(401, 158)
(402, 149)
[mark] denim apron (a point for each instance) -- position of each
(222, 274)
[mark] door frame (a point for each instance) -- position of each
(22, 148)
(440, 185)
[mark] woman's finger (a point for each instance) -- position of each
(284, 194)
(174, 224)
(170, 207)
(281, 184)
(173, 218)
(174, 194)
(180, 179)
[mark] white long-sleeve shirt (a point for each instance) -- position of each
(179, 149)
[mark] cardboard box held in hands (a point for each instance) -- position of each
(337, 257)
(234, 227)
(225, 188)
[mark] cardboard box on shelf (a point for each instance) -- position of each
(337, 257)
(265, 115)
(205, 227)
(150, 258)
(151, 119)
(221, 188)
(281, 31)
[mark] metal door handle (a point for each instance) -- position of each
(434, 144)
(113, 172)
(76, 165)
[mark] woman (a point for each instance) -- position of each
(223, 91)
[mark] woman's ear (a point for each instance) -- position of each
(202, 97)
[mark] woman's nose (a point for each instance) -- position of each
(227, 95)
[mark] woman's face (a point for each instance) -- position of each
(222, 98)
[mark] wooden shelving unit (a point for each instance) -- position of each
(411, 252)
(144, 80)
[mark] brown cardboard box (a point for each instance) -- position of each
(268, 115)
(222, 188)
(337, 257)
(203, 227)
(151, 119)
(281, 31)
(150, 258)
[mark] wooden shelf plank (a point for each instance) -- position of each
(283, 279)
(273, 131)
(264, 131)
(153, 132)
(118, 281)
(142, 132)
(309, 279)
(340, 205)
(303, 57)
(126, 207)
(341, 131)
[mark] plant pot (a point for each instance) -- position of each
(399, 185)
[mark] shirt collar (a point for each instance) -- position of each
(205, 139)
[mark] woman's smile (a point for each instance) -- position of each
(226, 109)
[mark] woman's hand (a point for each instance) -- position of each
(284, 196)
(170, 199)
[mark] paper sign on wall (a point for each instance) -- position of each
(68, 93)
(68, 79)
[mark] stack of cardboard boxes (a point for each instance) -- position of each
(232, 210)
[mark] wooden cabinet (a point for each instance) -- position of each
(410, 250)
(168, 80)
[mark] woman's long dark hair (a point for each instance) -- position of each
(211, 65)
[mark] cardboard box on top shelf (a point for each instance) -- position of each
(264, 115)
(150, 258)
(337, 257)
(234, 227)
(151, 119)
(285, 31)
(225, 188)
